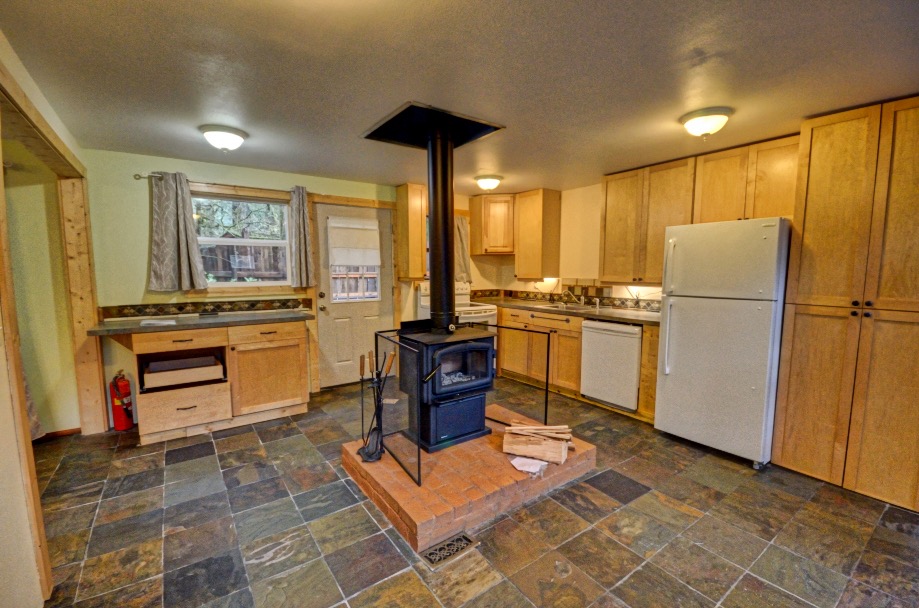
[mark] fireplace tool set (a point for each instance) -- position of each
(373, 443)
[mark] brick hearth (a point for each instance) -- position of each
(463, 487)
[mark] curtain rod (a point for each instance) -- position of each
(145, 176)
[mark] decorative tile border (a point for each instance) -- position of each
(580, 290)
(184, 308)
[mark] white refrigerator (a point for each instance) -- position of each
(721, 324)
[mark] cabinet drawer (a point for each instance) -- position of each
(165, 410)
(553, 321)
(164, 341)
(242, 334)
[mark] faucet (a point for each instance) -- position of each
(573, 297)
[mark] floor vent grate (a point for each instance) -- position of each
(449, 550)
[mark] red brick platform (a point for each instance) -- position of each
(463, 486)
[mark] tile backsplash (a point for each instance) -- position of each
(648, 298)
(209, 306)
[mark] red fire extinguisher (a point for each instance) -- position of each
(122, 404)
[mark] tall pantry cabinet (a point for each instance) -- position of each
(848, 402)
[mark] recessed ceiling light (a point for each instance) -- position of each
(223, 138)
(488, 182)
(703, 123)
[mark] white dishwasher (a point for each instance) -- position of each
(611, 363)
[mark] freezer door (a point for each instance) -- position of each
(717, 373)
(739, 260)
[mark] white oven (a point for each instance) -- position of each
(467, 311)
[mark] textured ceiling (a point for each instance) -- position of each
(584, 87)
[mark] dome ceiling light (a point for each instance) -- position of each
(488, 182)
(706, 121)
(223, 138)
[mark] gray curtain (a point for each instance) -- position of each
(461, 263)
(175, 261)
(301, 248)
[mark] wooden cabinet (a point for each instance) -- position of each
(747, 182)
(847, 392)
(647, 383)
(524, 353)
(537, 234)
(411, 232)
(491, 224)
(267, 366)
(639, 206)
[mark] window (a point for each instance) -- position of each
(355, 283)
(354, 259)
(242, 240)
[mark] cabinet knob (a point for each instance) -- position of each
(232, 348)
(321, 294)
(322, 307)
(634, 278)
(854, 313)
(854, 302)
(869, 303)
(868, 315)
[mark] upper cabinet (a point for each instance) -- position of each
(829, 245)
(639, 206)
(746, 183)
(537, 233)
(411, 232)
(491, 224)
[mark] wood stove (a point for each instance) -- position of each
(446, 381)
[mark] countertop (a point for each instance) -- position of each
(622, 315)
(225, 319)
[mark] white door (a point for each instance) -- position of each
(346, 322)
(739, 260)
(716, 373)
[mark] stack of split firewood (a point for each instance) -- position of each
(549, 443)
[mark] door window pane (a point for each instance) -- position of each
(355, 283)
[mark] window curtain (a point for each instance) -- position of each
(301, 247)
(462, 264)
(175, 261)
(353, 242)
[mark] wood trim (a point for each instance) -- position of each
(277, 196)
(331, 199)
(81, 289)
(255, 290)
(43, 141)
(55, 434)
(11, 364)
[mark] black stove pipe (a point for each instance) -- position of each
(440, 207)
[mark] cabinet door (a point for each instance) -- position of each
(411, 228)
(268, 375)
(621, 221)
(669, 203)
(566, 359)
(647, 387)
(513, 348)
(816, 376)
(829, 246)
(892, 281)
(498, 224)
(883, 456)
(539, 349)
(721, 186)
(772, 169)
(528, 226)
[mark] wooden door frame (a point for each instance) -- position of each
(23, 122)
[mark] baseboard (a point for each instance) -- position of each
(53, 434)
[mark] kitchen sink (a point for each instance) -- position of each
(565, 306)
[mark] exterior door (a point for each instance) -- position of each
(346, 322)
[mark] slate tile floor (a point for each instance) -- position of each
(265, 516)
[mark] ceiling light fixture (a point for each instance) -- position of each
(223, 138)
(488, 182)
(703, 123)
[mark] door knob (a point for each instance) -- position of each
(321, 294)
(322, 307)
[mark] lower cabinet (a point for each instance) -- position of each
(267, 372)
(524, 352)
(846, 410)
(183, 407)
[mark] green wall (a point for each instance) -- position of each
(41, 289)
(120, 213)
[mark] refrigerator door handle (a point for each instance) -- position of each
(668, 266)
(667, 339)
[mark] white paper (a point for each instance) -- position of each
(149, 322)
(528, 465)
